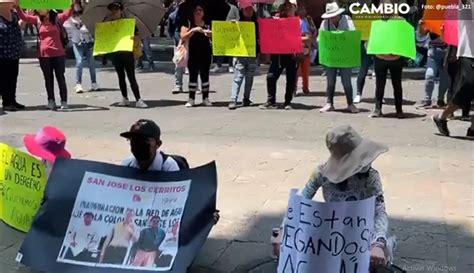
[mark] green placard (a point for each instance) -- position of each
(45, 4)
(394, 36)
(340, 49)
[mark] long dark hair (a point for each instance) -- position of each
(52, 16)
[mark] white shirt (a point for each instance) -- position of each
(86, 238)
(77, 31)
(466, 32)
(345, 23)
(169, 165)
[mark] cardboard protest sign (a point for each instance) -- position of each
(326, 237)
(392, 37)
(101, 218)
(114, 36)
(363, 23)
(45, 4)
(451, 27)
(434, 14)
(280, 35)
(236, 39)
(22, 184)
(340, 49)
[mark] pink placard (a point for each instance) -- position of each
(450, 28)
(280, 35)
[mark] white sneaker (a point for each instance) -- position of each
(51, 105)
(357, 99)
(327, 108)
(79, 88)
(124, 102)
(207, 102)
(141, 104)
(186, 71)
(198, 92)
(177, 90)
(95, 87)
(352, 109)
(231, 69)
(190, 103)
(64, 105)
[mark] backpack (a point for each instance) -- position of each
(63, 34)
(182, 162)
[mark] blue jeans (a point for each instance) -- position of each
(148, 53)
(367, 61)
(83, 53)
(435, 67)
(331, 76)
(178, 71)
(244, 69)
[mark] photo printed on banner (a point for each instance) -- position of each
(125, 223)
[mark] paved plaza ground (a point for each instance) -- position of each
(261, 155)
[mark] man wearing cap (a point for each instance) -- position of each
(144, 137)
(149, 243)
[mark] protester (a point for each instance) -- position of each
(245, 67)
(280, 62)
(11, 43)
(197, 35)
(84, 241)
(452, 64)
(83, 47)
(367, 60)
(348, 175)
(115, 247)
(145, 143)
(148, 243)
(382, 64)
(305, 63)
(124, 63)
(232, 15)
(174, 31)
(435, 67)
(464, 92)
(52, 53)
(47, 144)
(147, 54)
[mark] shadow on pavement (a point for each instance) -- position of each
(318, 94)
(406, 115)
(388, 101)
(72, 108)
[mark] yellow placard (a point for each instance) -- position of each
(114, 36)
(363, 23)
(236, 39)
(22, 184)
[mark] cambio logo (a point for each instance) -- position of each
(387, 8)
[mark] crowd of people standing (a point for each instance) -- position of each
(189, 26)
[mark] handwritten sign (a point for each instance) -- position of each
(392, 37)
(434, 15)
(280, 35)
(451, 26)
(340, 49)
(234, 39)
(363, 23)
(331, 237)
(114, 36)
(22, 184)
(45, 4)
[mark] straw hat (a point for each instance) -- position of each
(332, 10)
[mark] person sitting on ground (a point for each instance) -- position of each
(48, 144)
(348, 175)
(145, 141)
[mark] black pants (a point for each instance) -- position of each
(114, 255)
(381, 70)
(8, 79)
(124, 63)
(199, 67)
(54, 66)
(278, 64)
(464, 93)
(453, 68)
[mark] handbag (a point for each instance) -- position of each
(137, 48)
(180, 58)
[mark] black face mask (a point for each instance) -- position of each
(140, 149)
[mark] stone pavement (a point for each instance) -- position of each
(260, 155)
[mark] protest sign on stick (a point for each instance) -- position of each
(99, 218)
(326, 237)
(280, 36)
(22, 184)
(339, 49)
(400, 41)
(236, 39)
(114, 36)
(45, 4)
(434, 14)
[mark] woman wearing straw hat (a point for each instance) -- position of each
(333, 20)
(11, 44)
(348, 175)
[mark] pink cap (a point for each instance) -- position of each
(48, 144)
